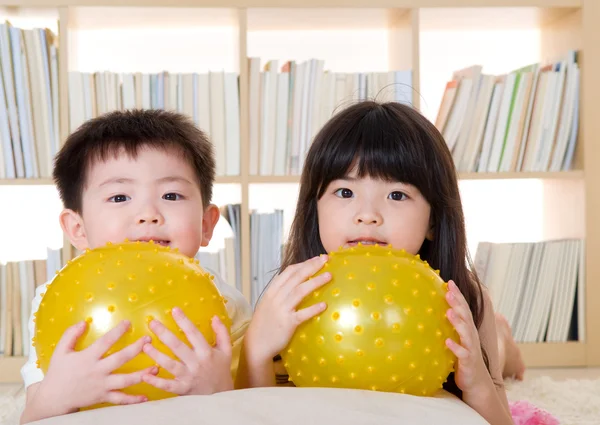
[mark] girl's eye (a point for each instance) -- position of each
(172, 197)
(344, 193)
(397, 196)
(119, 198)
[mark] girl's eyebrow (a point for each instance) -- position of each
(352, 179)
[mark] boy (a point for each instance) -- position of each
(138, 175)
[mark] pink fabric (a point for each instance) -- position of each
(525, 413)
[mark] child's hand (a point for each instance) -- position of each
(77, 379)
(202, 369)
(471, 374)
(276, 319)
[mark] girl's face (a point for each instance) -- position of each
(373, 211)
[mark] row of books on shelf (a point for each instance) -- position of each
(210, 99)
(18, 281)
(266, 244)
(227, 261)
(525, 120)
(290, 103)
(539, 287)
(29, 110)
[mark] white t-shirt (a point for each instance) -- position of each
(238, 308)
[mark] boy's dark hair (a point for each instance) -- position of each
(393, 142)
(131, 130)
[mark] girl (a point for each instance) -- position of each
(382, 173)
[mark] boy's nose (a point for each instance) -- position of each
(151, 215)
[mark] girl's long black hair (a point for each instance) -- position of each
(393, 142)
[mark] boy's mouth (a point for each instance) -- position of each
(162, 242)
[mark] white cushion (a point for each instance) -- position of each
(287, 405)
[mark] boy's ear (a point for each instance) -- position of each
(209, 221)
(72, 224)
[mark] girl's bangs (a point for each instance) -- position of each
(379, 148)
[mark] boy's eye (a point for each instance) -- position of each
(172, 197)
(397, 196)
(119, 198)
(344, 193)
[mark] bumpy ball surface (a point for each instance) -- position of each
(131, 281)
(384, 328)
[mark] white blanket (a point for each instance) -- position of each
(290, 406)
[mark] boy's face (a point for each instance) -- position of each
(154, 196)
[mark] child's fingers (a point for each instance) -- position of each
(303, 289)
(459, 298)
(117, 397)
(177, 346)
(300, 274)
(283, 277)
(190, 330)
(103, 344)
(69, 338)
(459, 304)
(463, 329)
(172, 366)
(459, 351)
(169, 385)
(223, 339)
(118, 359)
(118, 381)
(309, 312)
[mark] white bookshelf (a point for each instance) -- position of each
(409, 35)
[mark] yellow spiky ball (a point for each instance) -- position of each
(384, 328)
(135, 281)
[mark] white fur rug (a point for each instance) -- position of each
(11, 406)
(573, 402)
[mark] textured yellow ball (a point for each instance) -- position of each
(384, 328)
(135, 281)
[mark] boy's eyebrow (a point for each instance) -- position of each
(123, 180)
(116, 180)
(169, 179)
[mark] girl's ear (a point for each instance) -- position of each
(430, 232)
